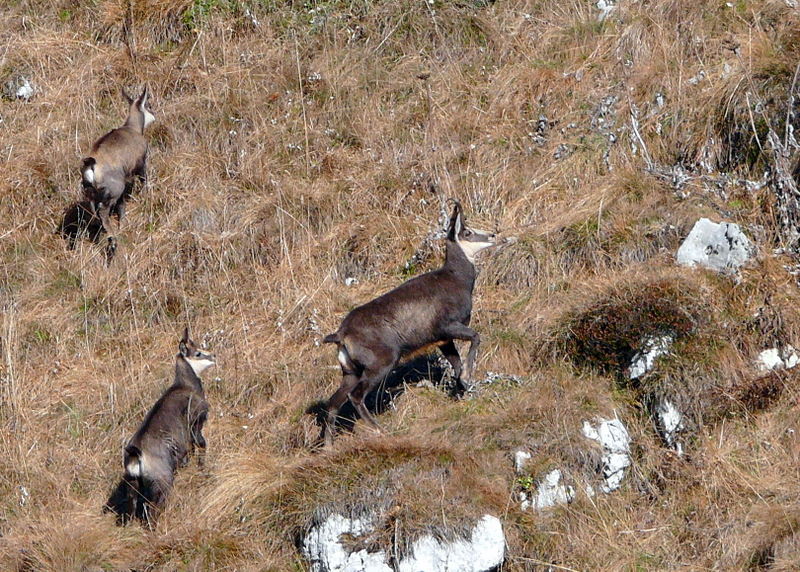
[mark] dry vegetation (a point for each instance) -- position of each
(301, 144)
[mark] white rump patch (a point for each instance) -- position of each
(342, 357)
(134, 468)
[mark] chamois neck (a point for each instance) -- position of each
(135, 121)
(185, 375)
(456, 261)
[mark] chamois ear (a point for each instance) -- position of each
(456, 222)
(183, 345)
(142, 100)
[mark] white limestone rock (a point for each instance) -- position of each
(521, 459)
(722, 247)
(605, 7)
(644, 360)
(670, 424)
(775, 358)
(485, 550)
(324, 550)
(19, 88)
(614, 438)
(551, 492)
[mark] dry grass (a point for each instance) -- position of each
(298, 145)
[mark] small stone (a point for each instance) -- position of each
(605, 7)
(521, 459)
(670, 423)
(614, 438)
(551, 492)
(722, 247)
(644, 360)
(24, 495)
(25, 91)
(19, 88)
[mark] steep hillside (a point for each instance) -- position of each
(300, 164)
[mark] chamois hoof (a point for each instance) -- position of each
(111, 249)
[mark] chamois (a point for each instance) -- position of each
(164, 439)
(428, 311)
(117, 159)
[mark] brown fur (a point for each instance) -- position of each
(116, 161)
(162, 443)
(428, 311)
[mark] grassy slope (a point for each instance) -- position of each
(317, 145)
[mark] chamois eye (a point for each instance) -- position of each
(467, 232)
(198, 354)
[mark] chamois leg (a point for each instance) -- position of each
(199, 440)
(461, 332)
(119, 209)
(122, 501)
(349, 382)
(141, 175)
(370, 378)
(450, 352)
(103, 210)
(154, 497)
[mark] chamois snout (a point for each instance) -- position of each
(197, 358)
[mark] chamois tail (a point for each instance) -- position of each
(332, 338)
(133, 461)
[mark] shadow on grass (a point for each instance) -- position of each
(79, 221)
(429, 367)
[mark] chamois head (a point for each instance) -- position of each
(139, 114)
(198, 359)
(470, 240)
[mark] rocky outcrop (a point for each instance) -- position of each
(325, 550)
(722, 247)
(484, 551)
(777, 358)
(652, 348)
(614, 438)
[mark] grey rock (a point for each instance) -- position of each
(722, 247)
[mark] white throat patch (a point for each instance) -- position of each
(199, 365)
(470, 248)
(148, 117)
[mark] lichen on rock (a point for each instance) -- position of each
(717, 246)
